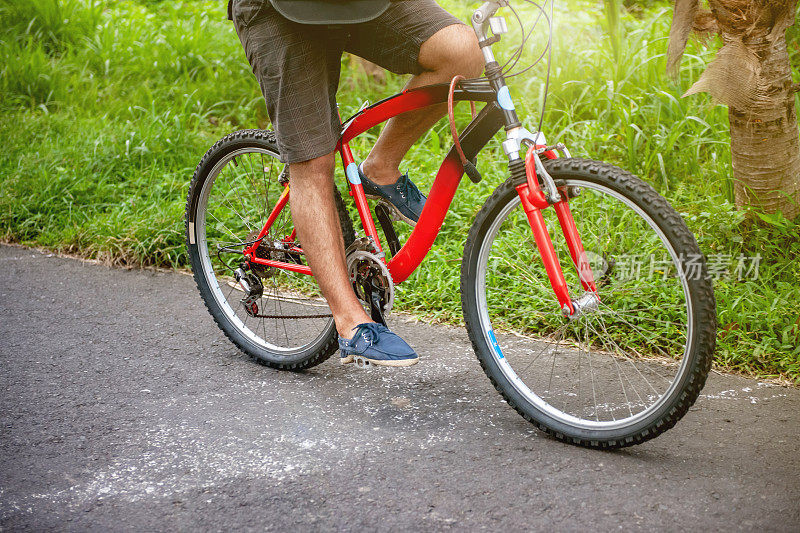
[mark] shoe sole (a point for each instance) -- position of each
(380, 362)
(394, 208)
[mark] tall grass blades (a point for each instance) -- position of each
(108, 106)
(54, 24)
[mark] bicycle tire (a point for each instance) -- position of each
(487, 248)
(238, 149)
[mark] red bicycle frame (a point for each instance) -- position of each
(443, 190)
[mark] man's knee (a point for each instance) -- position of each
(471, 58)
(453, 50)
(319, 169)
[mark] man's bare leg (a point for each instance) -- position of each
(318, 230)
(450, 51)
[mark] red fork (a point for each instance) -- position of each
(533, 201)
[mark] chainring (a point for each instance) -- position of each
(365, 267)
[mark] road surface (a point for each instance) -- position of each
(123, 407)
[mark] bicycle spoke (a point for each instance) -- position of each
(638, 316)
(628, 323)
(616, 363)
(225, 198)
(252, 179)
(224, 227)
(627, 357)
(594, 389)
(546, 343)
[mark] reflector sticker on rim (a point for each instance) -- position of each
(495, 344)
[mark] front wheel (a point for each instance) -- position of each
(619, 374)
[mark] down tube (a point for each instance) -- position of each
(430, 221)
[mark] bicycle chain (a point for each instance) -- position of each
(293, 317)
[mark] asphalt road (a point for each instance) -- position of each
(123, 407)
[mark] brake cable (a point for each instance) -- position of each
(469, 166)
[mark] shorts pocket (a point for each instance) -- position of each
(246, 11)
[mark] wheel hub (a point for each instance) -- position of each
(586, 304)
(273, 251)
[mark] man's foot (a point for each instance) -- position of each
(376, 344)
(403, 195)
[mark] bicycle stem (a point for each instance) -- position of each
(494, 73)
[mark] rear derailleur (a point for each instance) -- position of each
(253, 290)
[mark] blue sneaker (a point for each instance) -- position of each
(376, 344)
(403, 195)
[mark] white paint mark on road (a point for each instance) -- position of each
(742, 394)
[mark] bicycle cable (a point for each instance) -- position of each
(542, 12)
(512, 61)
(525, 36)
(469, 166)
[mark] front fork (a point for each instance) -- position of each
(533, 202)
(533, 199)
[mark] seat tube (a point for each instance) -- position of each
(357, 192)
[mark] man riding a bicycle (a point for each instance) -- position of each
(294, 48)
(588, 350)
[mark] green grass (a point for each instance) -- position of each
(107, 108)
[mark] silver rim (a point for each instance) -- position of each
(239, 213)
(585, 372)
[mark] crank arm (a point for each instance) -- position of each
(375, 308)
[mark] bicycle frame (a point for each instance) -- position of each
(488, 122)
(475, 136)
(497, 113)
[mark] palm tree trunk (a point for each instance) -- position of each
(765, 140)
(751, 74)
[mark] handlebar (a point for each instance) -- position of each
(483, 14)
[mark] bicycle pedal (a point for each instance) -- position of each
(362, 363)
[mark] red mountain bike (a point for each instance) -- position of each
(609, 352)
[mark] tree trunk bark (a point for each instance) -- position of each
(765, 140)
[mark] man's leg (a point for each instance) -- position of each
(317, 224)
(298, 70)
(451, 51)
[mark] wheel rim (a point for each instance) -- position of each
(234, 203)
(604, 371)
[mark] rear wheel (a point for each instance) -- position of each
(624, 372)
(234, 189)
